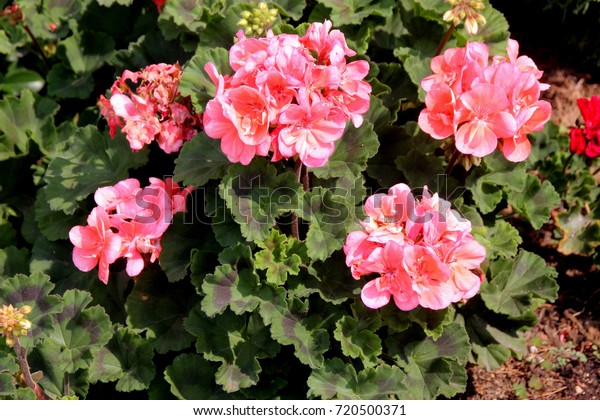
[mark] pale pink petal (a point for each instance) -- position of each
(517, 148)
(373, 297)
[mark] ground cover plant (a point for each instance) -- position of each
(291, 199)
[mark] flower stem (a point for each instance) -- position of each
(452, 161)
(36, 44)
(444, 40)
(22, 358)
(596, 171)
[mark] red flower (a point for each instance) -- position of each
(590, 109)
(577, 140)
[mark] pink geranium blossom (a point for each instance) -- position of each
(289, 96)
(485, 106)
(128, 222)
(153, 111)
(420, 251)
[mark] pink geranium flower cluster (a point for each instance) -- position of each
(421, 251)
(155, 110)
(289, 95)
(128, 222)
(485, 106)
(586, 140)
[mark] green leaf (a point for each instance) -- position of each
(351, 12)
(200, 160)
(500, 240)
(19, 79)
(237, 344)
(86, 51)
(55, 225)
(78, 329)
(228, 287)
(185, 237)
(134, 357)
(330, 217)
(486, 183)
(291, 8)
(22, 119)
(580, 232)
(339, 380)
(433, 322)
(535, 201)
(64, 83)
(351, 153)
(357, 336)
(433, 367)
(515, 283)
(280, 256)
(493, 345)
(196, 83)
(333, 280)
(7, 386)
(192, 378)
(33, 290)
(160, 308)
(14, 261)
(92, 161)
(256, 195)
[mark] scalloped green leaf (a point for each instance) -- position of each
(93, 160)
(228, 287)
(352, 12)
(486, 183)
(19, 79)
(186, 237)
(515, 284)
(339, 380)
(330, 216)
(78, 329)
(134, 357)
(7, 386)
(357, 336)
(191, 377)
(55, 225)
(351, 153)
(195, 82)
(200, 160)
(535, 201)
(160, 308)
(580, 232)
(256, 195)
(433, 367)
(65, 83)
(86, 51)
(433, 322)
(280, 256)
(236, 343)
(500, 240)
(28, 117)
(14, 261)
(33, 290)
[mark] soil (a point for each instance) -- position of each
(563, 359)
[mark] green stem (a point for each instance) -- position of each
(452, 162)
(298, 168)
(36, 44)
(596, 171)
(444, 40)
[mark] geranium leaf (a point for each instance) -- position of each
(7, 386)
(17, 80)
(580, 231)
(186, 236)
(358, 341)
(350, 12)
(200, 160)
(280, 256)
(339, 380)
(433, 322)
(33, 290)
(160, 307)
(329, 216)
(195, 82)
(514, 283)
(256, 195)
(499, 240)
(535, 201)
(65, 83)
(133, 356)
(54, 225)
(22, 119)
(93, 160)
(14, 261)
(433, 367)
(86, 51)
(78, 330)
(351, 153)
(236, 343)
(486, 183)
(192, 378)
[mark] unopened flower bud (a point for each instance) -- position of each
(242, 22)
(245, 14)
